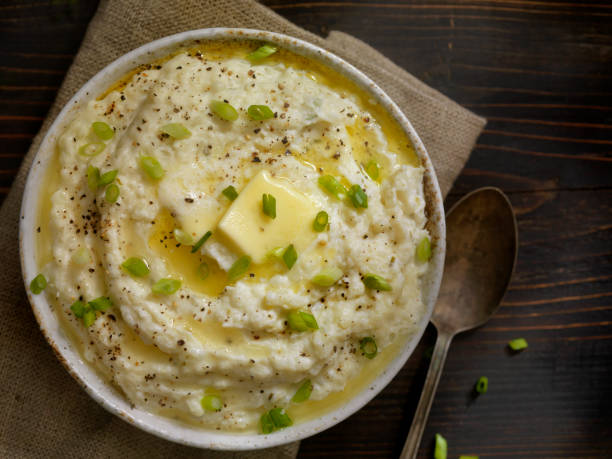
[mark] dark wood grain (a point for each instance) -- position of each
(541, 72)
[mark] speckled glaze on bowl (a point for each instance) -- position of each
(108, 396)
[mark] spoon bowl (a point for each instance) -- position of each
(481, 251)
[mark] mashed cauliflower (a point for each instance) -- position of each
(228, 333)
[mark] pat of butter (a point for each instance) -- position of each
(254, 233)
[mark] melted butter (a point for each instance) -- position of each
(370, 370)
(183, 264)
(215, 337)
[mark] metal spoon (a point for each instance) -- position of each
(481, 249)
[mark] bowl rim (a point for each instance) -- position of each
(108, 396)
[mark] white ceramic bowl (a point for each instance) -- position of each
(105, 394)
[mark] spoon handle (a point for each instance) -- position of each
(411, 447)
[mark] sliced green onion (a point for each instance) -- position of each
(375, 282)
(166, 286)
(440, 450)
(518, 344)
(137, 267)
(268, 204)
(290, 256)
(100, 304)
(468, 457)
(182, 237)
(38, 284)
(266, 423)
(203, 270)
(78, 308)
(327, 277)
(112, 193)
(107, 178)
(260, 112)
(211, 403)
(301, 321)
(373, 169)
(152, 167)
(201, 242)
(332, 186)
(280, 418)
(358, 197)
(176, 131)
(239, 267)
(261, 53)
(89, 317)
(230, 193)
(93, 177)
(102, 130)
(303, 392)
(309, 320)
(92, 149)
(320, 222)
(423, 250)
(224, 110)
(482, 385)
(81, 256)
(368, 347)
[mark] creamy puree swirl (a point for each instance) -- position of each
(213, 336)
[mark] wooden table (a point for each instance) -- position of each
(541, 72)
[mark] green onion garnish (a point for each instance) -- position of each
(302, 321)
(230, 193)
(166, 286)
(239, 267)
(201, 242)
(182, 237)
(224, 110)
(211, 403)
(518, 344)
(112, 193)
(468, 457)
(78, 308)
(358, 197)
(107, 178)
(303, 392)
(152, 167)
(93, 177)
(482, 384)
(203, 270)
(375, 282)
(290, 256)
(320, 221)
(268, 204)
(102, 130)
(176, 131)
(373, 169)
(280, 418)
(276, 252)
(89, 317)
(100, 304)
(368, 347)
(38, 284)
(441, 447)
(137, 267)
(260, 112)
(332, 186)
(423, 250)
(92, 149)
(261, 53)
(327, 277)
(266, 423)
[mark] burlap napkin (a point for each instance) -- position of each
(44, 413)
